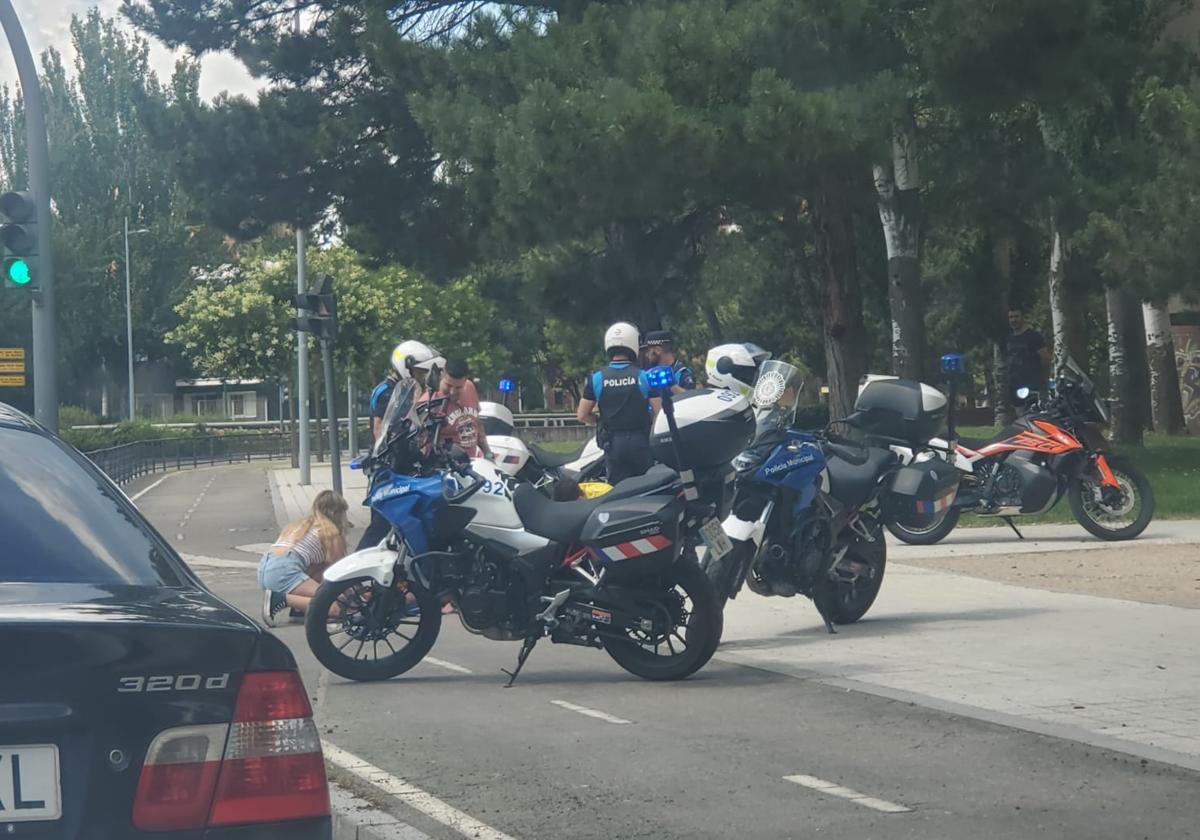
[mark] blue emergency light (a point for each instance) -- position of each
(505, 385)
(661, 377)
(953, 363)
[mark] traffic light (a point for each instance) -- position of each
(318, 310)
(18, 235)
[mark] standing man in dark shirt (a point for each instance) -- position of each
(1027, 356)
(620, 392)
(660, 350)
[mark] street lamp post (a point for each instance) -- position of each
(129, 316)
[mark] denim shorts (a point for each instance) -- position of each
(281, 572)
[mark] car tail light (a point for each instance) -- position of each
(272, 768)
(265, 766)
(176, 787)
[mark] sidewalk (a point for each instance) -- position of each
(1042, 538)
(1113, 673)
(293, 500)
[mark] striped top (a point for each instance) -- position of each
(308, 548)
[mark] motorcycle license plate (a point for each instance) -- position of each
(715, 539)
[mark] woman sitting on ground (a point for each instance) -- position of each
(291, 570)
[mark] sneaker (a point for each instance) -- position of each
(273, 604)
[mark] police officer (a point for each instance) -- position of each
(621, 394)
(660, 350)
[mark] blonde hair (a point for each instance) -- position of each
(328, 519)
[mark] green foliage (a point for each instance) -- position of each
(237, 321)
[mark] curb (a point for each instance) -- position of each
(355, 818)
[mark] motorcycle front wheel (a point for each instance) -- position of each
(687, 624)
(364, 631)
(1113, 519)
(925, 530)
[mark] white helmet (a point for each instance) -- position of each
(411, 355)
(734, 366)
(497, 419)
(622, 335)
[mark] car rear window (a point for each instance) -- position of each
(60, 522)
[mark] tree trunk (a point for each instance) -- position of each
(898, 184)
(1166, 402)
(1002, 408)
(845, 335)
(714, 323)
(1066, 319)
(1126, 427)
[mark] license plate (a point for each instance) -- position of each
(715, 539)
(29, 783)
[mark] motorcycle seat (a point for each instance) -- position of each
(563, 521)
(553, 460)
(851, 484)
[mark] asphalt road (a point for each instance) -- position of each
(581, 749)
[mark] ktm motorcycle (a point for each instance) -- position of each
(1057, 449)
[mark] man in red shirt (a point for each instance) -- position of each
(463, 425)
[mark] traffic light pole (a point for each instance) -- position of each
(302, 358)
(335, 446)
(45, 342)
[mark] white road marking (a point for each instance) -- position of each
(834, 789)
(217, 562)
(449, 666)
(412, 796)
(584, 710)
(147, 489)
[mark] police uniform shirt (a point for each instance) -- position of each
(622, 393)
(381, 396)
(684, 378)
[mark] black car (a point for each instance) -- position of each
(133, 702)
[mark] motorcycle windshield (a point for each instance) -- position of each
(401, 413)
(1075, 372)
(776, 395)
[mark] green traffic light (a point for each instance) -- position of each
(19, 273)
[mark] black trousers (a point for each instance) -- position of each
(376, 531)
(627, 455)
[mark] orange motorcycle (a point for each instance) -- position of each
(1057, 449)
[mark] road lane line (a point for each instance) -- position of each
(584, 710)
(147, 489)
(834, 789)
(217, 562)
(449, 666)
(412, 796)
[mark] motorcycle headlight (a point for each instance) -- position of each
(746, 462)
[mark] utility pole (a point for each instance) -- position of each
(302, 360)
(129, 324)
(318, 315)
(45, 340)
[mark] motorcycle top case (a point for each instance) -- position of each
(636, 536)
(714, 426)
(923, 488)
(900, 409)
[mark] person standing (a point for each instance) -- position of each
(620, 393)
(463, 425)
(660, 350)
(1027, 356)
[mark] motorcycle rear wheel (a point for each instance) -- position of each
(689, 594)
(852, 601)
(348, 641)
(934, 531)
(1104, 521)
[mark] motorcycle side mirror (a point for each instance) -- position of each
(1022, 393)
(725, 365)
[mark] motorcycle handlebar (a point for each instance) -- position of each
(466, 472)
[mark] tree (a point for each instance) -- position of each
(237, 321)
(104, 169)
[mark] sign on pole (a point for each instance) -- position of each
(12, 353)
(12, 381)
(12, 367)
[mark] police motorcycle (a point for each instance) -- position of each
(526, 461)
(808, 508)
(610, 573)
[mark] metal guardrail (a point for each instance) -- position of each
(131, 460)
(521, 421)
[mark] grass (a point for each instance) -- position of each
(1171, 463)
